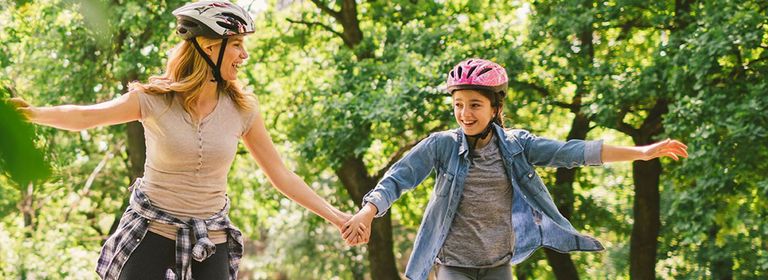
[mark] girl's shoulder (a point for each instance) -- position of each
(515, 134)
(445, 137)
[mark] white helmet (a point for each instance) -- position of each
(212, 19)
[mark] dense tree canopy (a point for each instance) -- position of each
(347, 87)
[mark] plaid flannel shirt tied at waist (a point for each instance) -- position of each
(135, 223)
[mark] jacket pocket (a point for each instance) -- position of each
(443, 183)
(532, 182)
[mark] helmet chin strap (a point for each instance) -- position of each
(216, 68)
(482, 135)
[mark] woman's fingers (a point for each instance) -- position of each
(18, 102)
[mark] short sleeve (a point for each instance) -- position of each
(248, 117)
(149, 104)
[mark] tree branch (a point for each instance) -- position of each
(563, 105)
(12, 90)
(625, 127)
(395, 157)
(314, 23)
(89, 182)
(542, 90)
(327, 10)
(653, 123)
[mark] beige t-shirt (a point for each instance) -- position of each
(187, 162)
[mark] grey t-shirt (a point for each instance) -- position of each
(482, 234)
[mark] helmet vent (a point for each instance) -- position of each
(471, 70)
(234, 16)
(452, 75)
(459, 71)
(227, 25)
(485, 70)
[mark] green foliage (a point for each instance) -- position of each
(19, 158)
(322, 102)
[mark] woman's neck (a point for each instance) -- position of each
(207, 93)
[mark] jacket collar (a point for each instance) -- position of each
(510, 148)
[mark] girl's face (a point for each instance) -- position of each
(473, 111)
(234, 55)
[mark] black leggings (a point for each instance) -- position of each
(155, 255)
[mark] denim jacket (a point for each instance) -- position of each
(536, 220)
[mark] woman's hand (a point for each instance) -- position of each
(358, 229)
(669, 148)
(23, 107)
(342, 218)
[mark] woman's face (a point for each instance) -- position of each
(234, 55)
(473, 111)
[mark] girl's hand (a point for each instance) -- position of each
(358, 229)
(669, 148)
(23, 107)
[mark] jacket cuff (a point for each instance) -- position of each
(592, 152)
(378, 201)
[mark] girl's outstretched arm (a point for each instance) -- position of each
(667, 148)
(259, 143)
(122, 109)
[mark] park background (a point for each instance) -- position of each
(347, 87)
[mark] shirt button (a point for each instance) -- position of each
(138, 239)
(530, 175)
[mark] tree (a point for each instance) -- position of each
(377, 96)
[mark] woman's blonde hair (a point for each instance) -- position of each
(186, 72)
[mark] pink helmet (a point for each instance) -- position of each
(477, 73)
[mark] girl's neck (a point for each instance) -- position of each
(480, 142)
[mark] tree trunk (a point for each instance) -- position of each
(562, 265)
(645, 230)
(27, 208)
(722, 267)
(562, 193)
(352, 172)
(381, 258)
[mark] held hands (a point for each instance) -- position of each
(358, 229)
(669, 148)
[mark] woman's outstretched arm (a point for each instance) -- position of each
(122, 109)
(667, 148)
(259, 143)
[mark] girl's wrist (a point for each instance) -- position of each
(370, 209)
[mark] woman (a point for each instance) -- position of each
(489, 209)
(193, 116)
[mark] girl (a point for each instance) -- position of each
(489, 208)
(177, 224)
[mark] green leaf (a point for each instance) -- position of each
(18, 156)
